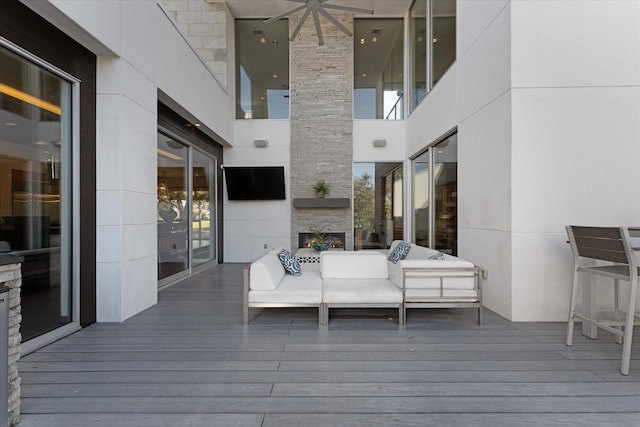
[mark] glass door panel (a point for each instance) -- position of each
(35, 189)
(173, 213)
(377, 204)
(203, 209)
(445, 181)
(421, 191)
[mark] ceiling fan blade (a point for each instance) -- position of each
(347, 8)
(316, 20)
(335, 22)
(300, 24)
(284, 15)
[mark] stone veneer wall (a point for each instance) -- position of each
(321, 123)
(204, 24)
(11, 276)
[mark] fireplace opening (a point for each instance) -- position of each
(335, 240)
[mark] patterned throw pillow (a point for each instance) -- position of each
(438, 255)
(400, 252)
(290, 263)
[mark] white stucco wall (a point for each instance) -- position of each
(144, 54)
(250, 225)
(576, 127)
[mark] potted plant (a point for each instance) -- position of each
(320, 242)
(321, 188)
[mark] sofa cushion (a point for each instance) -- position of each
(360, 291)
(266, 272)
(303, 289)
(420, 252)
(399, 252)
(289, 262)
(353, 265)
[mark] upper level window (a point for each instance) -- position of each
(433, 45)
(378, 69)
(262, 69)
(443, 37)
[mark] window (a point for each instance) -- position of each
(35, 188)
(418, 52)
(433, 46)
(378, 69)
(377, 204)
(262, 69)
(435, 197)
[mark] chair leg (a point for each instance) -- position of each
(480, 315)
(572, 308)
(618, 316)
(628, 330)
(401, 319)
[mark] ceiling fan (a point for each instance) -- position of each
(316, 8)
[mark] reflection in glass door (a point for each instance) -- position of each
(173, 215)
(203, 211)
(435, 197)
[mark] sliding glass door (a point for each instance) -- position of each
(435, 196)
(186, 209)
(35, 188)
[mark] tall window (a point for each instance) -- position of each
(443, 37)
(435, 197)
(262, 69)
(377, 204)
(433, 45)
(378, 69)
(35, 188)
(419, 42)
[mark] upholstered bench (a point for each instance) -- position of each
(357, 280)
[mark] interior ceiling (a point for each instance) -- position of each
(268, 8)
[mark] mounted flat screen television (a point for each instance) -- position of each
(255, 182)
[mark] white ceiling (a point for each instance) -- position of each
(268, 8)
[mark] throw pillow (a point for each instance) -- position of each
(290, 263)
(400, 252)
(438, 255)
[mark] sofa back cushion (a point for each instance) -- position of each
(353, 265)
(266, 272)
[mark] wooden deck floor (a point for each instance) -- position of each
(188, 361)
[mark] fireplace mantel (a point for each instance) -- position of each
(321, 202)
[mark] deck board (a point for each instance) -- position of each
(188, 361)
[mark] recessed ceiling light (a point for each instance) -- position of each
(274, 75)
(419, 39)
(274, 41)
(362, 41)
(374, 39)
(263, 40)
(435, 40)
(364, 75)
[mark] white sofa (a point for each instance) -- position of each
(365, 279)
(267, 285)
